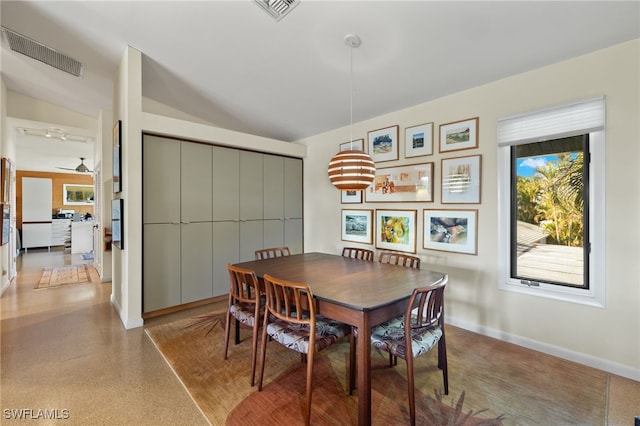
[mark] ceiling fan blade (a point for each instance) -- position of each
(66, 168)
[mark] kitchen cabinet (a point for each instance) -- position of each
(36, 212)
(61, 232)
(205, 206)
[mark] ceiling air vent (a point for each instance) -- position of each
(278, 9)
(40, 52)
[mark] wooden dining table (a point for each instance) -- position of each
(356, 292)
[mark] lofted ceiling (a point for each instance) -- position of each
(231, 64)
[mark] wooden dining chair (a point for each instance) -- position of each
(402, 259)
(246, 306)
(290, 319)
(268, 253)
(415, 333)
(358, 253)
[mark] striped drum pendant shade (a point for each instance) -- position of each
(351, 170)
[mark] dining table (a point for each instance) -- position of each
(360, 293)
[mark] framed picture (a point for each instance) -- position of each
(451, 230)
(459, 135)
(357, 144)
(357, 226)
(117, 222)
(461, 180)
(418, 140)
(6, 180)
(351, 197)
(409, 183)
(5, 223)
(77, 195)
(117, 157)
(383, 144)
(396, 230)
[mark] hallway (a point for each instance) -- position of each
(66, 355)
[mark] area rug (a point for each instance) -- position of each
(63, 275)
(220, 388)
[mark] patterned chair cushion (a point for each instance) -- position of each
(296, 336)
(244, 312)
(389, 337)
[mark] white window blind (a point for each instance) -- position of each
(553, 123)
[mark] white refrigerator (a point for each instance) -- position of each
(37, 211)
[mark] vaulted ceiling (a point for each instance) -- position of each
(231, 64)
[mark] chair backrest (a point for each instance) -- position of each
(243, 285)
(426, 306)
(290, 301)
(268, 253)
(399, 259)
(358, 253)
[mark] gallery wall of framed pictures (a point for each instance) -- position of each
(458, 182)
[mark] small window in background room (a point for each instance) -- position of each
(551, 203)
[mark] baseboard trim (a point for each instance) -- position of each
(128, 324)
(580, 358)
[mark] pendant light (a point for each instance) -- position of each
(351, 170)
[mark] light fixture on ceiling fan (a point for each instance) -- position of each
(81, 168)
(351, 170)
(53, 133)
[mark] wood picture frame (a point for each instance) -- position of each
(383, 144)
(117, 157)
(357, 226)
(407, 183)
(6, 180)
(396, 230)
(418, 140)
(351, 197)
(459, 135)
(460, 180)
(356, 144)
(451, 230)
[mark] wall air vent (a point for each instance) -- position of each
(278, 9)
(40, 52)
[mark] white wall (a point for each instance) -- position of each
(604, 338)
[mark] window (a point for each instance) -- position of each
(551, 203)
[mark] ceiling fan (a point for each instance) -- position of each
(82, 168)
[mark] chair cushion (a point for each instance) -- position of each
(244, 312)
(296, 336)
(389, 337)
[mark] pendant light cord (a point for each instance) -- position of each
(351, 96)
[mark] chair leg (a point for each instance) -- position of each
(226, 335)
(442, 363)
(263, 352)
(254, 351)
(411, 386)
(309, 383)
(237, 331)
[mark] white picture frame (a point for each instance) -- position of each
(383, 144)
(396, 230)
(357, 226)
(460, 180)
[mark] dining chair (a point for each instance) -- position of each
(399, 259)
(290, 319)
(268, 253)
(246, 306)
(358, 253)
(415, 333)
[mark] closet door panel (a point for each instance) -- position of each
(293, 237)
(196, 181)
(226, 249)
(273, 233)
(226, 184)
(273, 187)
(161, 178)
(250, 239)
(161, 266)
(197, 252)
(292, 188)
(251, 189)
